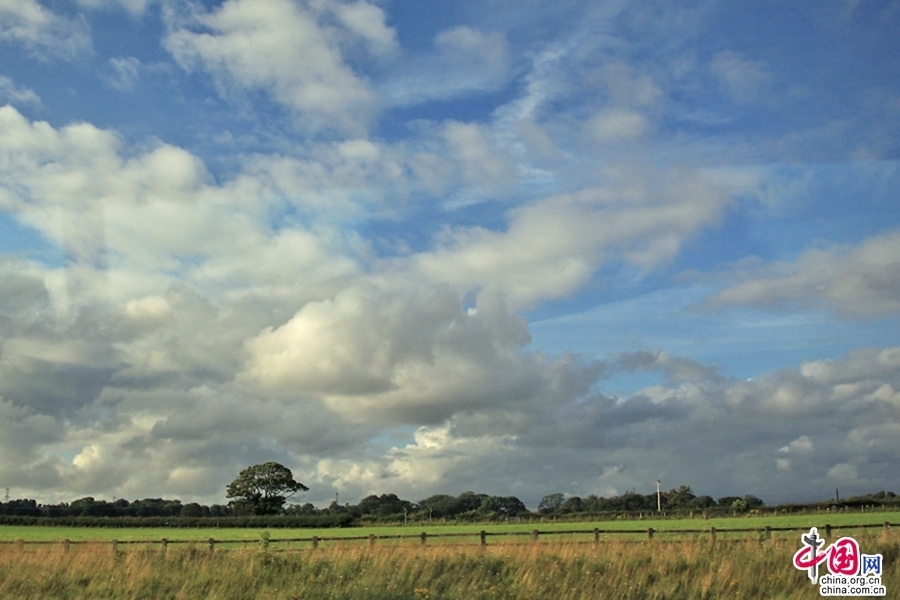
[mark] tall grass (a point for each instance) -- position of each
(654, 569)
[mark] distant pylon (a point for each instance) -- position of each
(7, 496)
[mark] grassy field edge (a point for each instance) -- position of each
(78, 534)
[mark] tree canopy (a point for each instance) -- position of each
(263, 489)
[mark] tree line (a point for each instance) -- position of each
(389, 508)
(260, 493)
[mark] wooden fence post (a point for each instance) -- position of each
(534, 535)
(596, 536)
(712, 537)
(315, 542)
(827, 531)
(20, 545)
(424, 537)
(115, 544)
(768, 531)
(483, 538)
(66, 545)
(887, 527)
(212, 545)
(165, 545)
(371, 539)
(649, 533)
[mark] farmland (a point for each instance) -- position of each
(680, 561)
(516, 529)
(747, 568)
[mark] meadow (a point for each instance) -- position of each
(690, 569)
(671, 565)
(467, 532)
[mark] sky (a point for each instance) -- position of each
(517, 248)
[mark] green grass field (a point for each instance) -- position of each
(495, 530)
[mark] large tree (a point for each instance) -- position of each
(550, 503)
(263, 489)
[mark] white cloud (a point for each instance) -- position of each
(205, 321)
(420, 467)
(472, 45)
(626, 86)
(367, 21)
(44, 33)
(13, 94)
(742, 79)
(802, 445)
(858, 281)
(58, 178)
(715, 434)
(464, 61)
(123, 73)
(843, 472)
(462, 159)
(281, 47)
(335, 182)
(153, 215)
(348, 345)
(553, 245)
(614, 124)
(392, 354)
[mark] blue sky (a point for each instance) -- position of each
(510, 247)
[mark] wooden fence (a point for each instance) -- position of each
(483, 535)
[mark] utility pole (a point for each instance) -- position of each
(658, 498)
(7, 495)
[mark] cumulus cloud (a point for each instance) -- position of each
(285, 49)
(401, 356)
(553, 245)
(463, 161)
(75, 175)
(24, 293)
(203, 318)
(858, 281)
(175, 285)
(718, 435)
(24, 433)
(155, 214)
(367, 22)
(44, 33)
(195, 376)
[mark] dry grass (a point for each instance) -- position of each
(567, 571)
